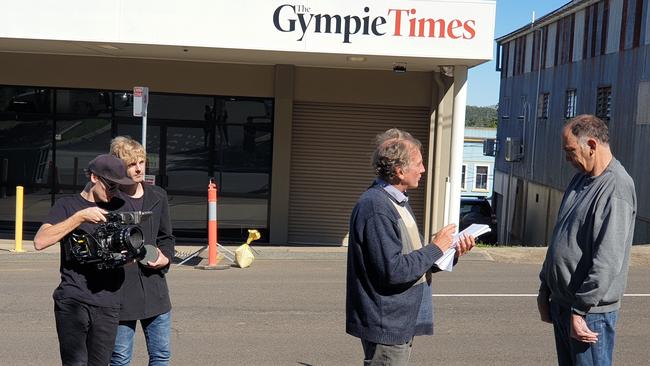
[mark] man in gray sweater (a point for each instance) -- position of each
(585, 271)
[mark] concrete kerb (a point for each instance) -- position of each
(261, 251)
(640, 253)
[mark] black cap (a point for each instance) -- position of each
(111, 168)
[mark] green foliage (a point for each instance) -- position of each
(481, 116)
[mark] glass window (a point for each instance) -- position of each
(177, 107)
(462, 177)
(543, 106)
(78, 141)
(187, 160)
(133, 130)
(48, 136)
(244, 143)
(481, 178)
(25, 154)
(570, 105)
(23, 101)
(83, 102)
(604, 103)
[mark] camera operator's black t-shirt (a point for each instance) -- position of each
(84, 282)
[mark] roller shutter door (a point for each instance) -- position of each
(330, 164)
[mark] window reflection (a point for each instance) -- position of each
(187, 159)
(48, 136)
(83, 102)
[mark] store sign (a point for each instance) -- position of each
(460, 29)
(300, 19)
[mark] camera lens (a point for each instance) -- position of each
(132, 238)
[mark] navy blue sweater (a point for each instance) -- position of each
(382, 302)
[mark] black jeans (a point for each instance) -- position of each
(86, 332)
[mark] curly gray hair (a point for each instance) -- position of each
(393, 150)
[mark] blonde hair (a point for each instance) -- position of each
(127, 149)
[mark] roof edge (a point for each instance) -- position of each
(570, 7)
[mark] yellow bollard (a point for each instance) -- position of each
(19, 220)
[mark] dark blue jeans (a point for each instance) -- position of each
(573, 352)
(157, 334)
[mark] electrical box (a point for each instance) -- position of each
(490, 147)
(513, 149)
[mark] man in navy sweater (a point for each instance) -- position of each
(388, 299)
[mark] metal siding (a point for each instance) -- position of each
(642, 103)
(646, 14)
(614, 26)
(330, 164)
(528, 63)
(550, 41)
(536, 214)
(511, 59)
(578, 35)
(629, 31)
(628, 73)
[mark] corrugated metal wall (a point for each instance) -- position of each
(622, 66)
(330, 164)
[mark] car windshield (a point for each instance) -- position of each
(482, 207)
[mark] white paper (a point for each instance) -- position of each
(446, 262)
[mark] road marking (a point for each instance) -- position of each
(515, 295)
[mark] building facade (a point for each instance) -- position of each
(279, 103)
(478, 168)
(586, 57)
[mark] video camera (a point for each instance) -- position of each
(113, 243)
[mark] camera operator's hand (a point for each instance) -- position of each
(92, 214)
(160, 262)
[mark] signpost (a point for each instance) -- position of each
(140, 102)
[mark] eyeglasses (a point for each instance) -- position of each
(110, 186)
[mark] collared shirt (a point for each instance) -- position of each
(399, 196)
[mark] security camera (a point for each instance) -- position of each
(399, 67)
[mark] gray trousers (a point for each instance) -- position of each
(376, 354)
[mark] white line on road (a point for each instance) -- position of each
(515, 295)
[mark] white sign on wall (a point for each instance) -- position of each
(140, 101)
(411, 28)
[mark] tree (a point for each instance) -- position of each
(481, 116)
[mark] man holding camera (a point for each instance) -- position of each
(87, 301)
(145, 295)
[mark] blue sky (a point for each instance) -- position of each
(483, 80)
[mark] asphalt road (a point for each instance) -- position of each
(291, 312)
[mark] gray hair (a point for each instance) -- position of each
(393, 150)
(587, 125)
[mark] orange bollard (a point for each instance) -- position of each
(212, 223)
(213, 256)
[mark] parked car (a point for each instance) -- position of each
(477, 210)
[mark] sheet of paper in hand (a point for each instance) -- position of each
(446, 262)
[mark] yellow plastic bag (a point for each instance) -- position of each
(243, 254)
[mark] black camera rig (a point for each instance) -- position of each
(112, 244)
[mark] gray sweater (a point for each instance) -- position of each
(587, 260)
